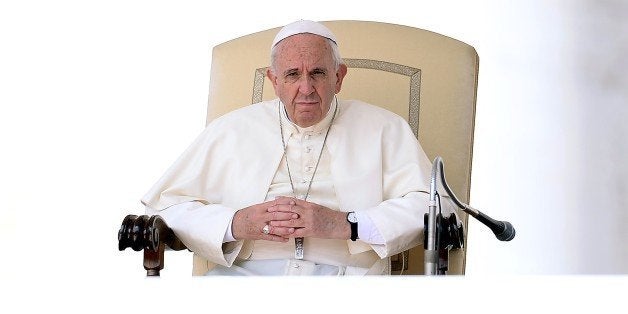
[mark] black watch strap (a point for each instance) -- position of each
(354, 231)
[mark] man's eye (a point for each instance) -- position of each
(318, 74)
(291, 76)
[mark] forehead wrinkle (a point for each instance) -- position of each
(304, 49)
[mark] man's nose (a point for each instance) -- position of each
(306, 85)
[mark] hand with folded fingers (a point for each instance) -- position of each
(311, 220)
(254, 223)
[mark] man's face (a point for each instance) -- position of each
(305, 78)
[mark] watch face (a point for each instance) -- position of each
(351, 217)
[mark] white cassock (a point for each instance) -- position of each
(371, 164)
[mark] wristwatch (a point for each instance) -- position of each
(353, 222)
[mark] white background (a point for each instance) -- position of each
(98, 98)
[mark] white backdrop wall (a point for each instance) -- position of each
(97, 98)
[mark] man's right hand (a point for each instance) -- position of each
(248, 223)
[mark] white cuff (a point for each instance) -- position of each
(228, 233)
(367, 232)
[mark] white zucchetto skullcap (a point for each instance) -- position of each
(303, 26)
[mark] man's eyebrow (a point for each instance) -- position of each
(314, 70)
(289, 71)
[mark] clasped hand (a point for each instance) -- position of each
(288, 218)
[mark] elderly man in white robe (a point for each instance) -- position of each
(306, 184)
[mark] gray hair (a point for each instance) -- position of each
(335, 54)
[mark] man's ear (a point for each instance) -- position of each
(340, 75)
(272, 77)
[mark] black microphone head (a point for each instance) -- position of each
(508, 232)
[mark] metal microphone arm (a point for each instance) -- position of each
(431, 251)
(503, 230)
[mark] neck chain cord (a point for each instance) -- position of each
(298, 242)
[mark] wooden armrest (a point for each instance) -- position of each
(150, 234)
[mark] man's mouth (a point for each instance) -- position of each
(307, 103)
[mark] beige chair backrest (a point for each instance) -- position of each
(428, 78)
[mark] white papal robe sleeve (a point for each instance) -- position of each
(202, 229)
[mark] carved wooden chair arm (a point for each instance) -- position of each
(150, 234)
